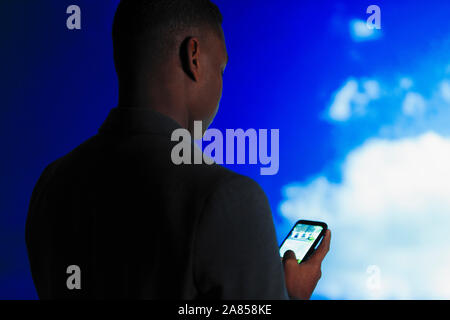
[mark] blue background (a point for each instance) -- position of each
(287, 59)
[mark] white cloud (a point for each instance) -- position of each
(406, 83)
(392, 210)
(445, 90)
(413, 104)
(371, 89)
(349, 100)
(360, 32)
(340, 109)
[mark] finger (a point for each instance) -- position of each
(322, 250)
(289, 255)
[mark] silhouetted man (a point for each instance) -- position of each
(115, 218)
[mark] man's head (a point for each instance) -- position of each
(170, 55)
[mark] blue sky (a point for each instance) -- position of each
(386, 193)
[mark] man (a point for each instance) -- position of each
(115, 218)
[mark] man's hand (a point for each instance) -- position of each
(301, 279)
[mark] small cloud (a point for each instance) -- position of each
(372, 89)
(360, 32)
(340, 109)
(413, 104)
(349, 100)
(445, 90)
(406, 83)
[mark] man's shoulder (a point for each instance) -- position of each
(148, 158)
(214, 178)
(239, 189)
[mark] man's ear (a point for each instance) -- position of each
(190, 57)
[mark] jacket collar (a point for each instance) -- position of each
(138, 120)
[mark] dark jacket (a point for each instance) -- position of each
(140, 227)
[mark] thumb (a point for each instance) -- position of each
(289, 255)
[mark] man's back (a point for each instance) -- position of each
(140, 227)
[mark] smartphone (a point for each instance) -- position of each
(303, 239)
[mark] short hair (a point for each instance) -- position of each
(152, 25)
